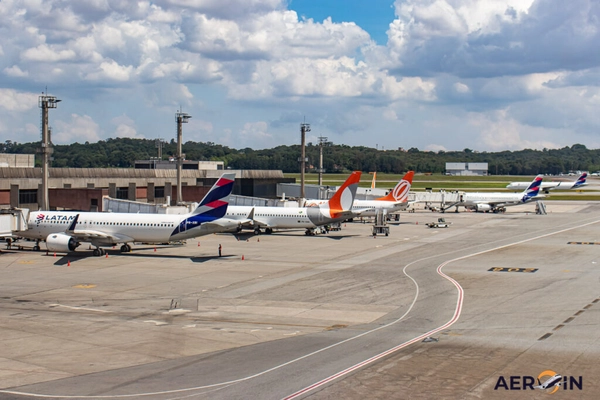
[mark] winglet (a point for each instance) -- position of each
(400, 192)
(215, 203)
(73, 224)
(533, 189)
(343, 198)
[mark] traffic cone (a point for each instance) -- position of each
(417, 222)
(155, 249)
(54, 254)
(198, 244)
(106, 255)
(242, 257)
(68, 263)
(258, 240)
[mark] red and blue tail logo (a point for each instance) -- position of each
(581, 181)
(533, 189)
(212, 207)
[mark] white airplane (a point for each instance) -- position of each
(64, 230)
(497, 201)
(337, 209)
(396, 199)
(547, 186)
(550, 382)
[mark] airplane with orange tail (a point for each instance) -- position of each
(336, 209)
(395, 200)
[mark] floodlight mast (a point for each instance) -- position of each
(181, 118)
(322, 141)
(304, 127)
(46, 102)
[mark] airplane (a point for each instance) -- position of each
(395, 200)
(64, 230)
(337, 209)
(496, 202)
(547, 186)
(549, 383)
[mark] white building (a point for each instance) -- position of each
(462, 169)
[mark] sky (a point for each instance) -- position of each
(488, 75)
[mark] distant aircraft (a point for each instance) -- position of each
(374, 181)
(547, 186)
(64, 230)
(498, 201)
(337, 209)
(396, 199)
(549, 383)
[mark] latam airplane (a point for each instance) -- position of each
(396, 199)
(497, 201)
(337, 209)
(64, 230)
(547, 186)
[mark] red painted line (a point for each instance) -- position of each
(379, 356)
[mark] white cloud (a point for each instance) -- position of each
(125, 127)
(13, 100)
(45, 53)
(81, 128)
(16, 72)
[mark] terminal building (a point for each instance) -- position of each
(83, 189)
(466, 169)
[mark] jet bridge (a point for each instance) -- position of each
(13, 221)
(437, 201)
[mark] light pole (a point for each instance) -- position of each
(322, 141)
(304, 127)
(46, 102)
(181, 118)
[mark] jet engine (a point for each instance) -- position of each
(61, 243)
(483, 207)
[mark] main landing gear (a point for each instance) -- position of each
(125, 248)
(98, 252)
(36, 246)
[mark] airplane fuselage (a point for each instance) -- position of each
(151, 228)
(283, 217)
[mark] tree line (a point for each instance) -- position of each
(122, 152)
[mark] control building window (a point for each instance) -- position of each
(123, 193)
(28, 196)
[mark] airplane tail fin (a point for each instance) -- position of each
(214, 204)
(581, 181)
(343, 198)
(400, 192)
(373, 182)
(533, 189)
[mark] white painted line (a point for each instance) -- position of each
(348, 370)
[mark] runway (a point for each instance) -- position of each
(417, 283)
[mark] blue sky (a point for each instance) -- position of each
(374, 16)
(489, 75)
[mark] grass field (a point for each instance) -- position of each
(435, 182)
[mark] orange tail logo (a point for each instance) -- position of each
(344, 197)
(400, 192)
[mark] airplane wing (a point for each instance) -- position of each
(98, 236)
(86, 235)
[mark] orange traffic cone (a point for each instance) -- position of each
(106, 255)
(68, 263)
(54, 254)
(242, 257)
(198, 244)
(417, 222)
(155, 249)
(258, 240)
